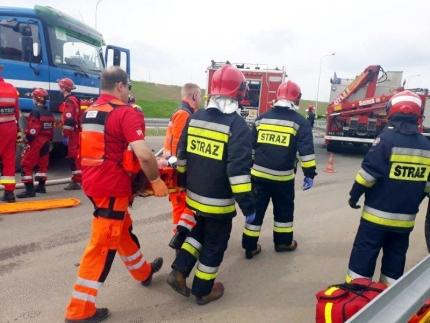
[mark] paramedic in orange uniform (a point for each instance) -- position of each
(183, 218)
(109, 126)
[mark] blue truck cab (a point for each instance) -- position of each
(42, 45)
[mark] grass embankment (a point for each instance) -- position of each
(160, 100)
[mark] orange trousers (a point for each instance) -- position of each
(181, 215)
(111, 232)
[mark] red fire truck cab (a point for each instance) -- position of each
(263, 82)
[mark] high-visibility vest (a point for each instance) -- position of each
(93, 137)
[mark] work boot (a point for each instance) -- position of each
(286, 248)
(216, 293)
(251, 253)
(100, 315)
(72, 186)
(9, 197)
(177, 240)
(29, 191)
(155, 266)
(40, 187)
(178, 282)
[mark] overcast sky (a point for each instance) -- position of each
(172, 42)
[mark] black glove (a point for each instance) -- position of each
(353, 204)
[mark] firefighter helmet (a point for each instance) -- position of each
(405, 102)
(230, 82)
(66, 84)
(40, 95)
(289, 91)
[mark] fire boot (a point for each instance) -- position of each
(286, 248)
(155, 266)
(100, 315)
(216, 293)
(8, 196)
(178, 282)
(29, 191)
(72, 186)
(178, 239)
(41, 187)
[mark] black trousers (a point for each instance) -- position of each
(282, 195)
(206, 243)
(369, 241)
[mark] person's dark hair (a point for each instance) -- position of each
(111, 76)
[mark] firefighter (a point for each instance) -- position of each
(38, 136)
(277, 137)
(9, 133)
(394, 179)
(183, 217)
(311, 115)
(109, 127)
(71, 121)
(215, 158)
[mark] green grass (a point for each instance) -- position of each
(160, 100)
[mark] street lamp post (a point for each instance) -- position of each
(319, 79)
(95, 14)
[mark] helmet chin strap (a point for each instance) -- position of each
(224, 104)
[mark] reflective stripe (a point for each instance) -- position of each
(84, 296)
(188, 217)
(240, 179)
(209, 208)
(181, 162)
(134, 256)
(286, 123)
(350, 275)
(7, 180)
(185, 224)
(241, 188)
(406, 98)
(89, 283)
(8, 100)
(272, 174)
(307, 158)
(192, 246)
(387, 280)
(209, 200)
(410, 155)
(329, 305)
(210, 125)
(388, 219)
(309, 164)
(26, 177)
(68, 127)
(181, 169)
(205, 272)
(75, 172)
(277, 128)
(216, 135)
(93, 127)
(364, 178)
(7, 118)
(137, 265)
(40, 174)
(252, 230)
(283, 227)
(194, 243)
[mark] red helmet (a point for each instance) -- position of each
(66, 84)
(405, 102)
(229, 81)
(289, 91)
(40, 95)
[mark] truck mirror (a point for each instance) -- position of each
(36, 49)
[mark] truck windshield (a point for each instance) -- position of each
(69, 51)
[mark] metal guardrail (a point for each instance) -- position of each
(401, 301)
(156, 122)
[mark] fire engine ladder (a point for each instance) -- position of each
(402, 300)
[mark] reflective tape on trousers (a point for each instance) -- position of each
(89, 283)
(209, 200)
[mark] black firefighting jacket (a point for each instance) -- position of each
(215, 155)
(394, 175)
(277, 137)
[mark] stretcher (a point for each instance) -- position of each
(39, 205)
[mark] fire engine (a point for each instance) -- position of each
(263, 82)
(357, 112)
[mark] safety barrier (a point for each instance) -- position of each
(402, 300)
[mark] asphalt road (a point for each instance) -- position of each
(39, 253)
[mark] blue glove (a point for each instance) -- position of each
(250, 218)
(308, 183)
